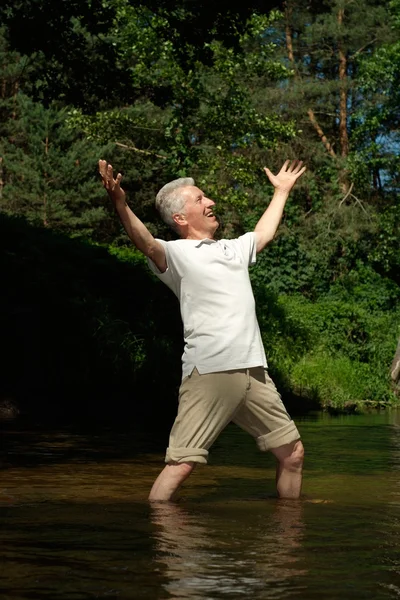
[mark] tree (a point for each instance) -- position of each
(70, 54)
(395, 368)
(76, 55)
(324, 45)
(48, 171)
(205, 120)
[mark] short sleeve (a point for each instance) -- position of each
(247, 245)
(170, 276)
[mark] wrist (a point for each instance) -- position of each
(119, 202)
(281, 193)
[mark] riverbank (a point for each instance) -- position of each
(88, 330)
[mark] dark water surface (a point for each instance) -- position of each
(75, 523)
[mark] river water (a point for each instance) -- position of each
(75, 523)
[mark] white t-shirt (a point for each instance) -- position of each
(211, 280)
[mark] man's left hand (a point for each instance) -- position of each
(287, 176)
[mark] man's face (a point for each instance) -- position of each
(198, 211)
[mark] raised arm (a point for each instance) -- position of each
(136, 230)
(283, 182)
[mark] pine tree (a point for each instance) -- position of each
(49, 171)
(324, 45)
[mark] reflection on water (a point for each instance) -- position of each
(75, 523)
(207, 557)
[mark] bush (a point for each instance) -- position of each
(80, 328)
(340, 383)
(336, 350)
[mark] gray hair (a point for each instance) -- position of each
(170, 200)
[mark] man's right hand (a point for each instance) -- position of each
(112, 185)
(136, 230)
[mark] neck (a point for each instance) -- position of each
(193, 234)
(198, 237)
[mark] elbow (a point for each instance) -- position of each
(263, 239)
(150, 250)
(157, 257)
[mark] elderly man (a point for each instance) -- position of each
(224, 376)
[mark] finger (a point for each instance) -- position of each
(118, 179)
(102, 168)
(110, 177)
(109, 172)
(103, 172)
(297, 167)
(268, 173)
(285, 166)
(293, 165)
(301, 172)
(271, 176)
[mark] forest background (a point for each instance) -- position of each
(165, 89)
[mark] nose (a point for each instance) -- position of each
(210, 202)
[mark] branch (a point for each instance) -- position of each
(358, 201)
(139, 150)
(325, 114)
(347, 195)
(363, 48)
(320, 132)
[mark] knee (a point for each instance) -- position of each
(294, 459)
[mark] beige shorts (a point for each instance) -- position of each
(207, 403)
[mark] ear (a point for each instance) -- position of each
(179, 219)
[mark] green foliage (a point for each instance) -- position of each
(335, 350)
(287, 268)
(367, 289)
(204, 89)
(340, 383)
(385, 252)
(376, 122)
(70, 51)
(48, 171)
(201, 120)
(80, 327)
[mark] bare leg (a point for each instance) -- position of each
(169, 480)
(289, 469)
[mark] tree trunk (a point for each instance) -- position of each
(343, 136)
(310, 112)
(1, 177)
(395, 368)
(46, 151)
(15, 95)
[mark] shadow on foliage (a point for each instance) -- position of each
(84, 335)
